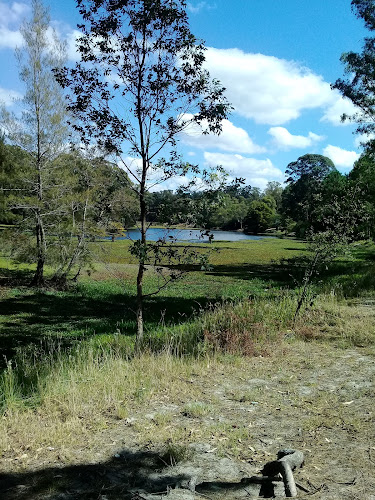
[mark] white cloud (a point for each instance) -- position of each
(283, 139)
(256, 172)
(156, 178)
(71, 49)
(341, 157)
(232, 138)
(131, 165)
(198, 7)
(10, 39)
(338, 107)
(10, 18)
(8, 96)
(12, 13)
(270, 90)
(171, 184)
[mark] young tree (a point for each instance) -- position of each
(96, 200)
(140, 82)
(343, 212)
(42, 130)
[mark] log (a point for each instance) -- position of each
(287, 461)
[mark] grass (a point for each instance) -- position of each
(71, 351)
(100, 309)
(167, 402)
(103, 302)
(197, 409)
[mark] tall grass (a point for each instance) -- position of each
(53, 398)
(56, 396)
(39, 373)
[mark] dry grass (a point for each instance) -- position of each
(85, 395)
(345, 323)
(243, 408)
(85, 407)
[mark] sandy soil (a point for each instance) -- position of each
(312, 397)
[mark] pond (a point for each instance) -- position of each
(190, 235)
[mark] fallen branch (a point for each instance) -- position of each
(287, 461)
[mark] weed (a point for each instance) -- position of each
(245, 396)
(197, 410)
(175, 453)
(162, 419)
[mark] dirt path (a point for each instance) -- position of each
(312, 397)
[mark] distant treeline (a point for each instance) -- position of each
(94, 196)
(316, 197)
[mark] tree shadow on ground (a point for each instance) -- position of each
(35, 317)
(119, 478)
(15, 277)
(130, 475)
(289, 273)
(284, 274)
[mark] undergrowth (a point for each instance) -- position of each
(100, 367)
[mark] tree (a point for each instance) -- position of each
(310, 166)
(97, 201)
(261, 215)
(140, 82)
(42, 132)
(342, 213)
(363, 178)
(359, 85)
(274, 190)
(304, 183)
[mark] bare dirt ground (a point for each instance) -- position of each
(231, 417)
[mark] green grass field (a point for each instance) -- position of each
(102, 304)
(72, 390)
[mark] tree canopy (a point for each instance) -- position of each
(306, 178)
(312, 166)
(359, 84)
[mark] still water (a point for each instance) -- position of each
(192, 235)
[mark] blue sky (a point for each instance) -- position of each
(275, 57)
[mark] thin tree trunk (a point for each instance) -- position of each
(38, 278)
(60, 278)
(142, 191)
(141, 269)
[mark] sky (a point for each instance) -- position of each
(276, 58)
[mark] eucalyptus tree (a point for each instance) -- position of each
(41, 130)
(140, 82)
